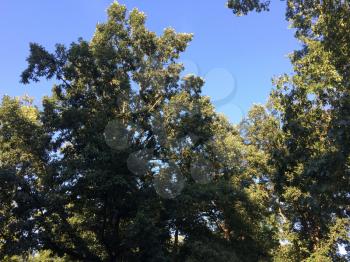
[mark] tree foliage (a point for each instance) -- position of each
(114, 167)
(310, 151)
(128, 161)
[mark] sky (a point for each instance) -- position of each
(237, 56)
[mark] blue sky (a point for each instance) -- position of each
(237, 56)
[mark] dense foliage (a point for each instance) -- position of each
(309, 152)
(127, 161)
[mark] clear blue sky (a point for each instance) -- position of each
(231, 53)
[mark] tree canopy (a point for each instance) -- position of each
(128, 161)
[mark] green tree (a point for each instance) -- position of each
(242, 7)
(126, 161)
(310, 154)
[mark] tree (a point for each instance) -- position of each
(126, 161)
(242, 7)
(311, 153)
